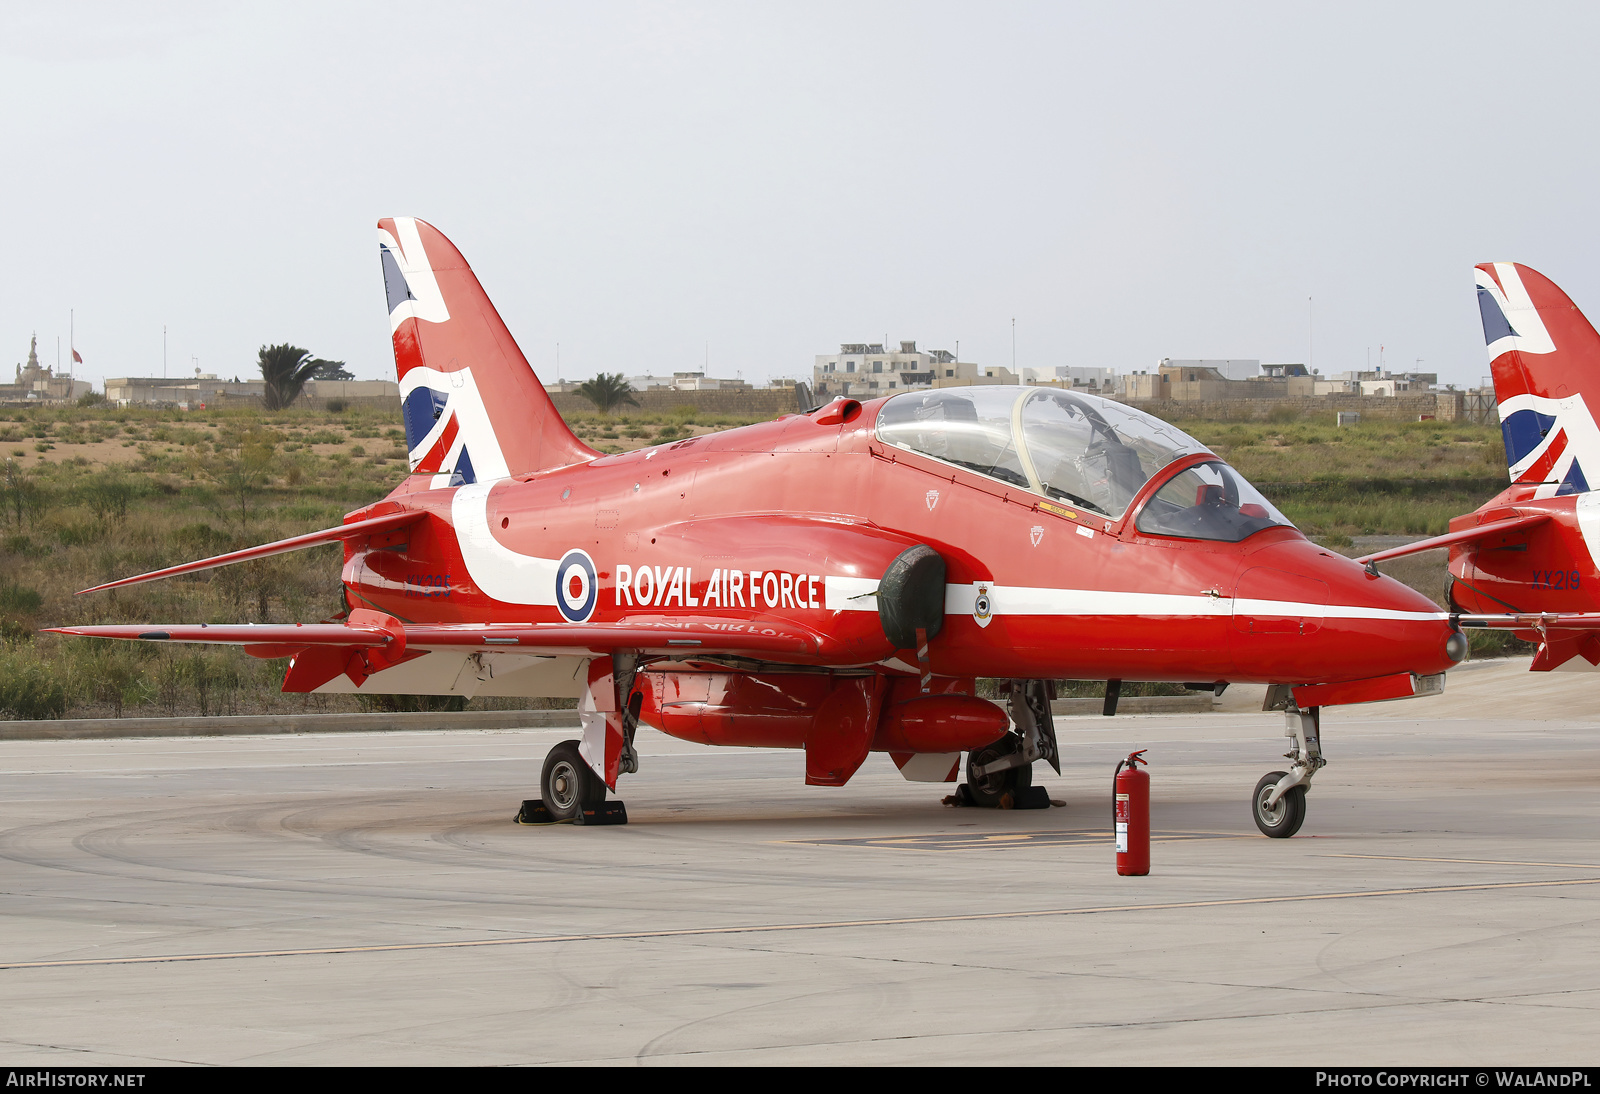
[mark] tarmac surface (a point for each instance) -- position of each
(363, 898)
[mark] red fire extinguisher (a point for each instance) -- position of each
(1131, 790)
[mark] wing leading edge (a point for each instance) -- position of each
(354, 530)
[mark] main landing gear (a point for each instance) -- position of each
(571, 793)
(1000, 775)
(568, 784)
(1278, 803)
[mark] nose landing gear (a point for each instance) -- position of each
(1278, 803)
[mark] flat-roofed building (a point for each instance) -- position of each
(869, 369)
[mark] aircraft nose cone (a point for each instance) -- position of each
(1312, 615)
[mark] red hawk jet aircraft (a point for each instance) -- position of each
(834, 581)
(1529, 558)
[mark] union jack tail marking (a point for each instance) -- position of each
(1545, 358)
(473, 408)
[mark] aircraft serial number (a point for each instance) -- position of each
(427, 586)
(1555, 579)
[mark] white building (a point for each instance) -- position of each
(682, 381)
(1101, 379)
(867, 370)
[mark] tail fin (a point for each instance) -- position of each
(1545, 358)
(474, 410)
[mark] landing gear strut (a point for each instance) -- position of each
(1278, 803)
(988, 782)
(1004, 770)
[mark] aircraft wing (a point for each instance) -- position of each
(355, 530)
(373, 630)
(1506, 531)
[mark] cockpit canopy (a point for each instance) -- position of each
(1081, 449)
(1091, 453)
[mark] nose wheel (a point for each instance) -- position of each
(1282, 819)
(1278, 803)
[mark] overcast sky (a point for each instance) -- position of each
(638, 181)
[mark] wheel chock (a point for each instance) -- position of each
(612, 812)
(534, 812)
(1034, 797)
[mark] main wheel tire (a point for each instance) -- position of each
(987, 790)
(568, 783)
(1284, 819)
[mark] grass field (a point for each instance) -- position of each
(92, 494)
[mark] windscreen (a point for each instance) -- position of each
(1209, 501)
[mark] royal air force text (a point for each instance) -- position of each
(667, 586)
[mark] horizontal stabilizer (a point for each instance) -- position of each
(1532, 621)
(356, 530)
(1512, 530)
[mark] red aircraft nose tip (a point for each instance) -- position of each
(1352, 625)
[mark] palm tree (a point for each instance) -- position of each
(608, 391)
(286, 369)
(331, 370)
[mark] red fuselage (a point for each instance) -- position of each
(793, 522)
(1549, 568)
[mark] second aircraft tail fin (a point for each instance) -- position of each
(1545, 358)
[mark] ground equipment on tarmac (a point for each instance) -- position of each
(1130, 789)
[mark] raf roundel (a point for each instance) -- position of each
(577, 590)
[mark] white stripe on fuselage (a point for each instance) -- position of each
(1025, 600)
(1588, 507)
(496, 569)
(521, 579)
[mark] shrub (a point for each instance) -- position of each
(75, 534)
(30, 687)
(18, 600)
(107, 495)
(408, 703)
